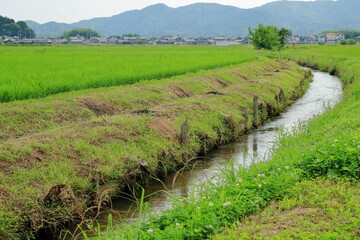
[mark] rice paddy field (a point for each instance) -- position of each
(35, 71)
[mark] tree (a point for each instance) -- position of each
(348, 42)
(268, 37)
(84, 32)
(10, 28)
(131, 35)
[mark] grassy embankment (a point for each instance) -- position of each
(65, 153)
(329, 147)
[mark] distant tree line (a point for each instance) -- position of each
(11, 28)
(347, 33)
(84, 32)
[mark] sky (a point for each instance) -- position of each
(69, 11)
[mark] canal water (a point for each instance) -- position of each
(324, 92)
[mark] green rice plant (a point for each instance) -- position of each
(35, 72)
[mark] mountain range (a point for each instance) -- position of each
(210, 19)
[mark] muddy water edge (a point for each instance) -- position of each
(324, 92)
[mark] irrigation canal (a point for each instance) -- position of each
(324, 92)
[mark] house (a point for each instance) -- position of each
(307, 39)
(135, 40)
(321, 38)
(113, 40)
(296, 39)
(77, 39)
(330, 38)
(36, 41)
(58, 41)
(239, 39)
(219, 39)
(201, 41)
(103, 40)
(171, 40)
(9, 41)
(358, 39)
(189, 41)
(340, 37)
(94, 40)
(227, 43)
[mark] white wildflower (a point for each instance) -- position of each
(259, 186)
(211, 204)
(226, 204)
(150, 231)
(177, 224)
(287, 167)
(210, 226)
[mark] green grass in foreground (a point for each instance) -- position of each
(38, 71)
(328, 147)
(320, 209)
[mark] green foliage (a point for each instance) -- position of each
(131, 35)
(339, 158)
(268, 37)
(348, 42)
(10, 28)
(84, 32)
(320, 209)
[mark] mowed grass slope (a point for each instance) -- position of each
(34, 72)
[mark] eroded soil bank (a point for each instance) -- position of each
(64, 156)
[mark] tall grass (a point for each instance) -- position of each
(33, 72)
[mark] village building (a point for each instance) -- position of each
(36, 41)
(77, 39)
(94, 40)
(203, 41)
(113, 40)
(10, 41)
